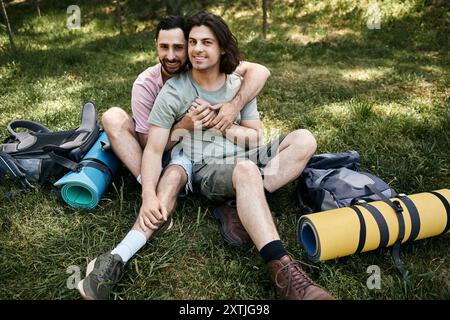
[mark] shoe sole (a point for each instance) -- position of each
(80, 288)
(166, 226)
(227, 238)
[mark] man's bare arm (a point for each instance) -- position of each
(248, 134)
(254, 78)
(177, 131)
(151, 159)
(152, 213)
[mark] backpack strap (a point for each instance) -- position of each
(22, 139)
(362, 230)
(396, 206)
(88, 131)
(447, 209)
(27, 124)
(413, 215)
(381, 222)
(97, 165)
(76, 166)
(63, 161)
(8, 165)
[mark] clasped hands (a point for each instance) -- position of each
(202, 114)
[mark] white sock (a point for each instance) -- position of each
(139, 179)
(131, 244)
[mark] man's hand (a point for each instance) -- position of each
(187, 122)
(227, 114)
(201, 113)
(152, 213)
(199, 116)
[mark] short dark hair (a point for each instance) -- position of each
(172, 22)
(227, 41)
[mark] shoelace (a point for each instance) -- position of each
(108, 270)
(296, 276)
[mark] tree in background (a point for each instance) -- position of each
(8, 27)
(264, 26)
(119, 15)
(37, 7)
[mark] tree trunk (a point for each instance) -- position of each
(38, 9)
(119, 16)
(264, 26)
(8, 27)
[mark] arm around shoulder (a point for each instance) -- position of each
(246, 68)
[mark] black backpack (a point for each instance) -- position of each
(39, 154)
(334, 180)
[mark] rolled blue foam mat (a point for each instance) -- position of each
(84, 188)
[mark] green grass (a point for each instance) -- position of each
(381, 92)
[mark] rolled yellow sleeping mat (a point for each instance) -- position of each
(345, 231)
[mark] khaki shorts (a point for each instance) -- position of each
(214, 176)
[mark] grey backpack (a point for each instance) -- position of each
(334, 180)
(38, 154)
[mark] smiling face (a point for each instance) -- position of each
(203, 49)
(172, 53)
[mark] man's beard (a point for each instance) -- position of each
(172, 71)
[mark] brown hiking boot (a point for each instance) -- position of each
(230, 225)
(292, 283)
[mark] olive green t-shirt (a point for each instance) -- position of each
(174, 100)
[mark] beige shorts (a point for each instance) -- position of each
(214, 176)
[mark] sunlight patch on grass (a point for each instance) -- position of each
(9, 69)
(336, 109)
(295, 34)
(365, 74)
(314, 6)
(413, 109)
(273, 128)
(244, 14)
(139, 57)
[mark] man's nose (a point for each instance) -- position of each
(198, 47)
(171, 54)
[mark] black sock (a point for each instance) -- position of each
(272, 251)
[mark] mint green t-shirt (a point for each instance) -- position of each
(174, 100)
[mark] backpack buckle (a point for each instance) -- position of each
(397, 207)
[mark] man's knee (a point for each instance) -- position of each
(245, 169)
(304, 141)
(175, 175)
(115, 120)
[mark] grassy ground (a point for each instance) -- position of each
(382, 92)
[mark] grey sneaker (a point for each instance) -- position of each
(102, 274)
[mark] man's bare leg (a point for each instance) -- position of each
(290, 280)
(255, 215)
(173, 179)
(293, 155)
(125, 142)
(92, 287)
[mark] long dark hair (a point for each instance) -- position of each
(227, 41)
